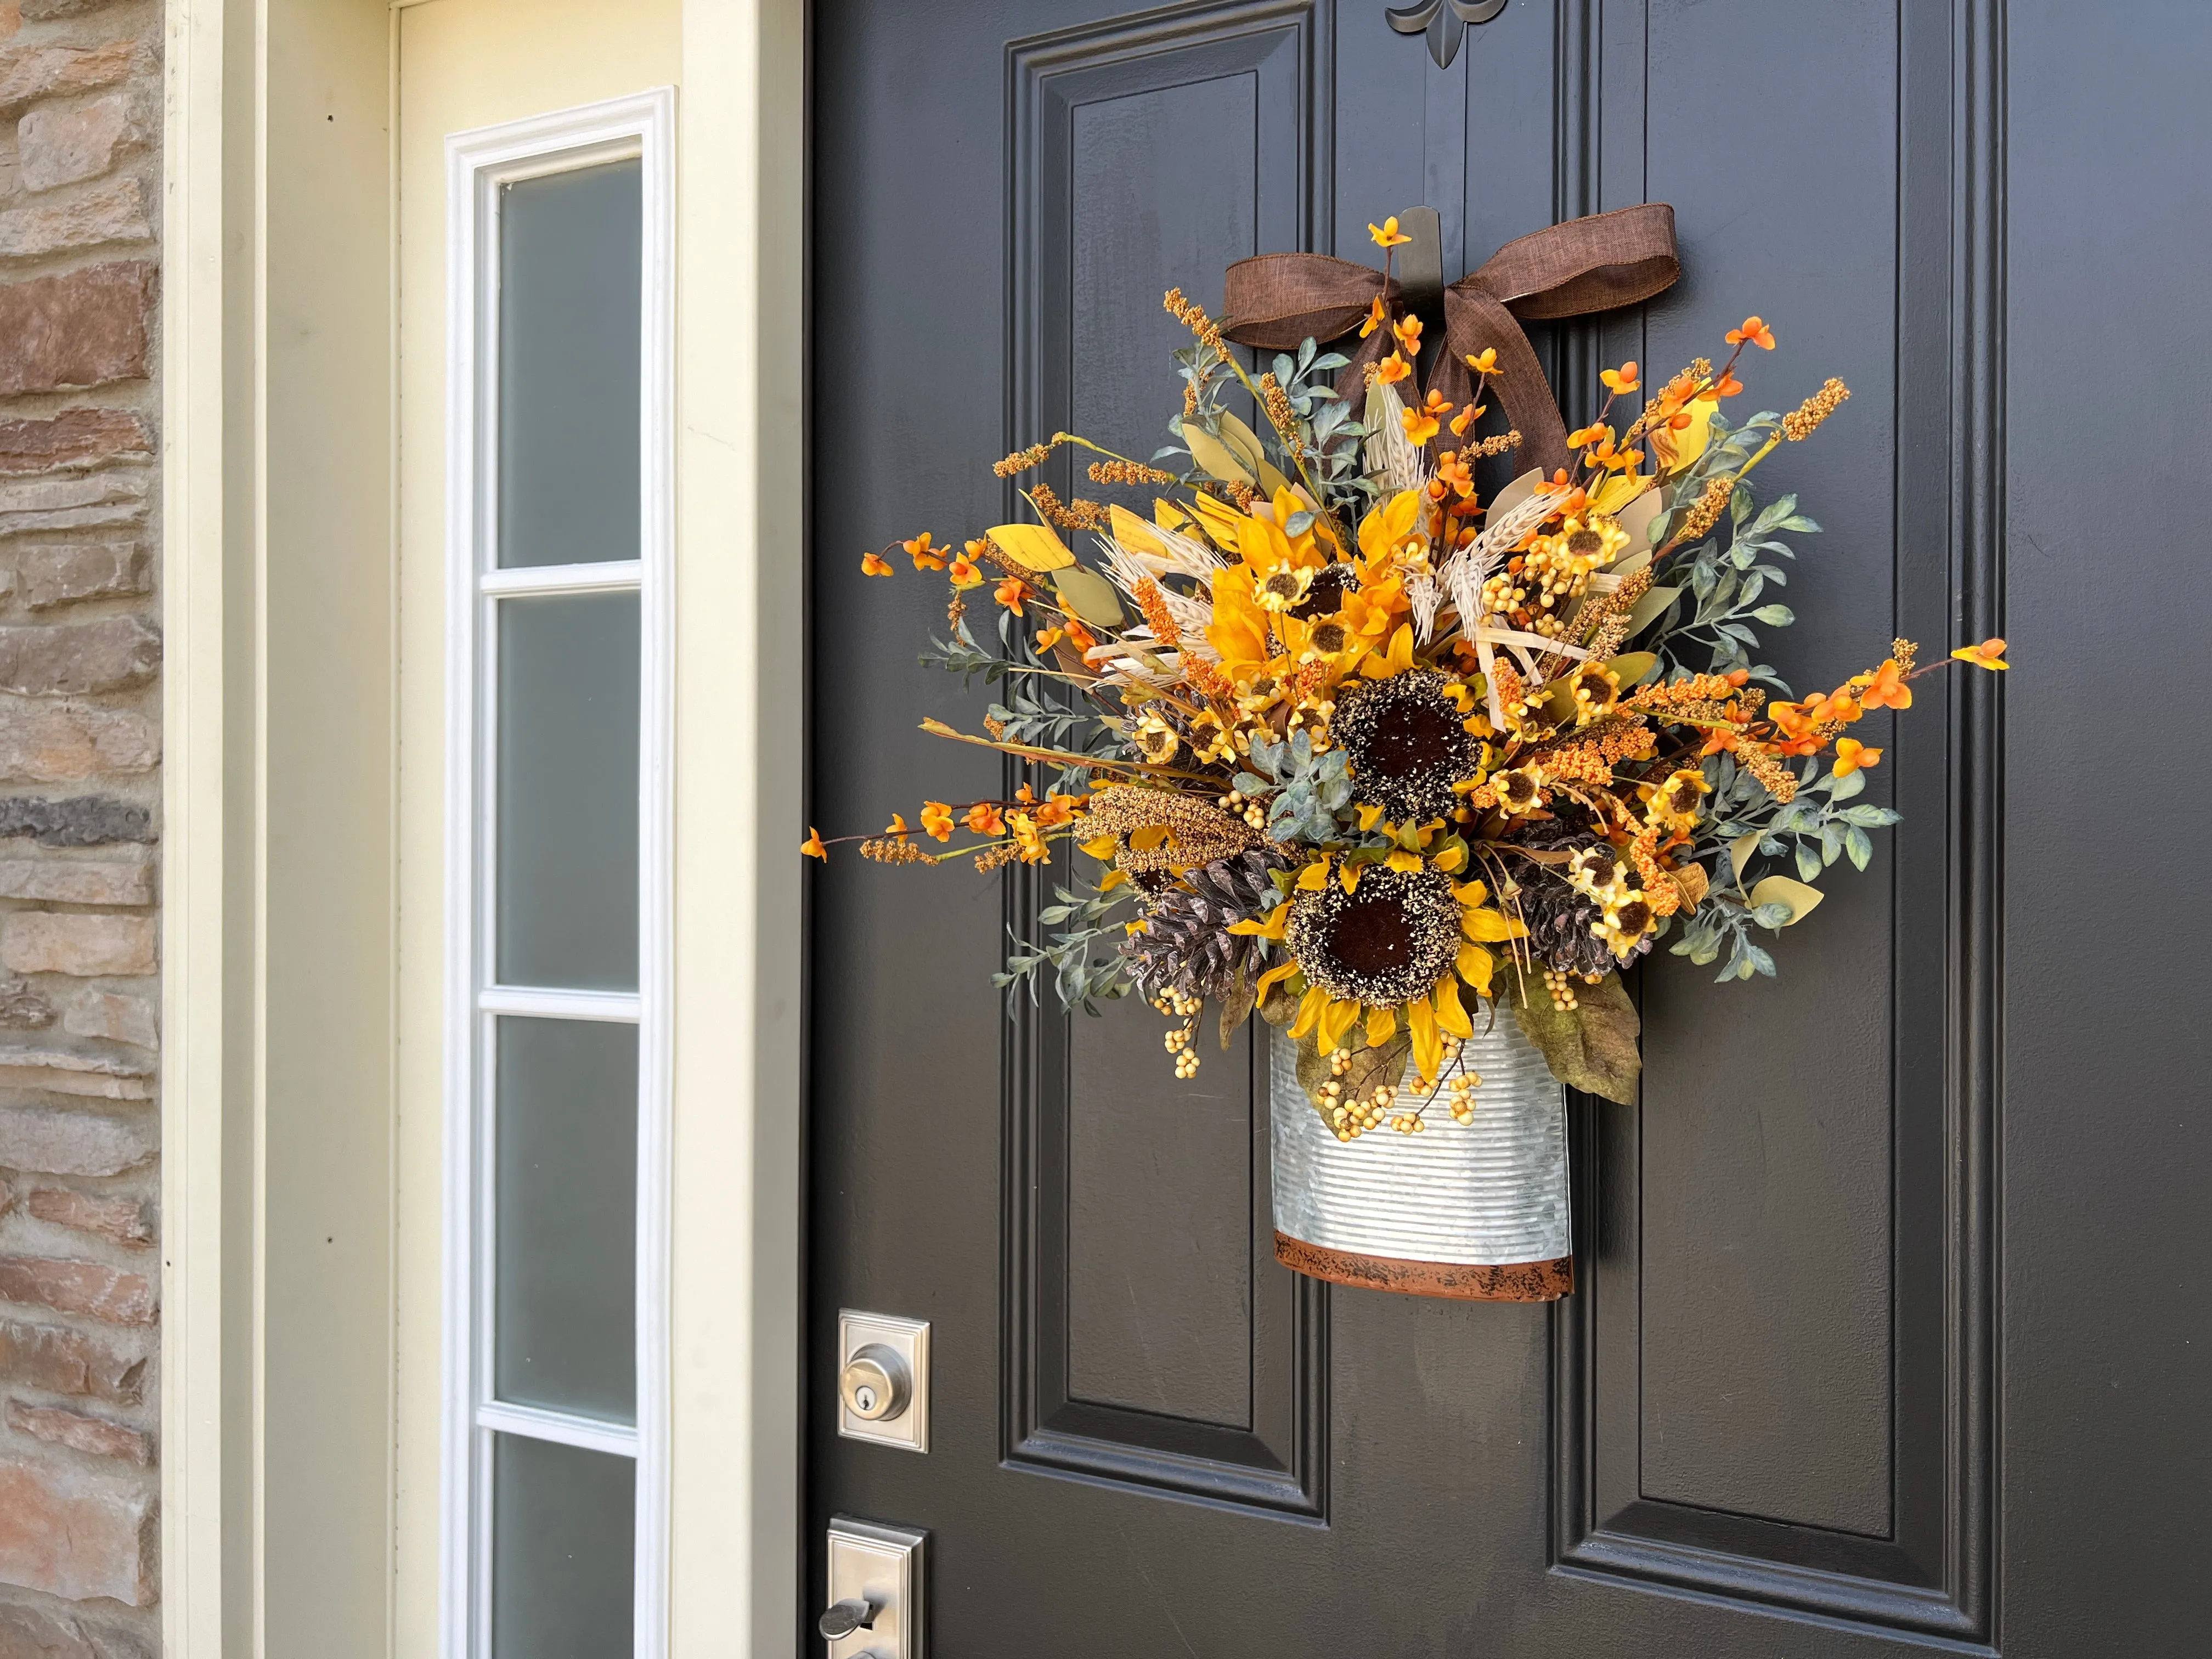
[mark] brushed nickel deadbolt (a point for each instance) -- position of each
(875, 1385)
(882, 1379)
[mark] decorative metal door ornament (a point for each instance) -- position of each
(1445, 22)
(1412, 772)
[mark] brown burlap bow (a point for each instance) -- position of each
(1275, 300)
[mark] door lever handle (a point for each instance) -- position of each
(847, 1617)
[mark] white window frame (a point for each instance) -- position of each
(478, 162)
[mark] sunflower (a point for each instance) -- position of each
(1355, 944)
(1282, 588)
(1386, 941)
(1520, 790)
(1407, 741)
(1596, 688)
(1673, 804)
(1156, 740)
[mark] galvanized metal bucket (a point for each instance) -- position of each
(1478, 1211)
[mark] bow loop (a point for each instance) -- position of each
(1276, 301)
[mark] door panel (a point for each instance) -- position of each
(1152, 1339)
(1768, 1420)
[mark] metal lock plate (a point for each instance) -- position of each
(882, 1566)
(882, 1380)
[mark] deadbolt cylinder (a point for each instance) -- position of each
(875, 1383)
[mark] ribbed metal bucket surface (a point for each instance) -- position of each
(1476, 1211)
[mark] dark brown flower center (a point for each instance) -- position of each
(1284, 584)
(1635, 916)
(1324, 595)
(1584, 543)
(1410, 737)
(1367, 934)
(1329, 636)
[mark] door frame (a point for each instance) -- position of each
(261, 327)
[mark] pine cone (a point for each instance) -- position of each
(1560, 918)
(1185, 943)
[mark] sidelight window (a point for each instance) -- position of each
(559, 483)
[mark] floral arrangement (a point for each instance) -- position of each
(1349, 745)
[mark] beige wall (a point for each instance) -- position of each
(306, 627)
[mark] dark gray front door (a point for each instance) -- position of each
(1891, 1320)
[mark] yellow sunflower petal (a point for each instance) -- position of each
(1381, 1026)
(1451, 1014)
(1428, 1040)
(1483, 925)
(1335, 1020)
(1314, 877)
(1309, 1007)
(1475, 966)
(1275, 926)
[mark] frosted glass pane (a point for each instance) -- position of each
(568, 791)
(569, 282)
(566, 1204)
(564, 1533)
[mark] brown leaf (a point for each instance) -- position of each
(1281, 1007)
(1233, 1010)
(1591, 1047)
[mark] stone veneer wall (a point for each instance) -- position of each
(80, 736)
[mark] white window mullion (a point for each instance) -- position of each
(613, 576)
(656, 860)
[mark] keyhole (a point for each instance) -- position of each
(864, 1400)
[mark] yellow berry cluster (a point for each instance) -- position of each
(1179, 1039)
(1460, 1097)
(1538, 589)
(1250, 811)
(1562, 986)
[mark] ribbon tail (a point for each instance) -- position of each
(1476, 320)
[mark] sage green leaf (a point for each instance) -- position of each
(1780, 889)
(1591, 1047)
(1514, 493)
(1635, 519)
(1089, 595)
(1645, 612)
(1740, 853)
(1245, 441)
(1220, 461)
(1631, 668)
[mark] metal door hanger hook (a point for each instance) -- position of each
(1445, 22)
(1419, 265)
